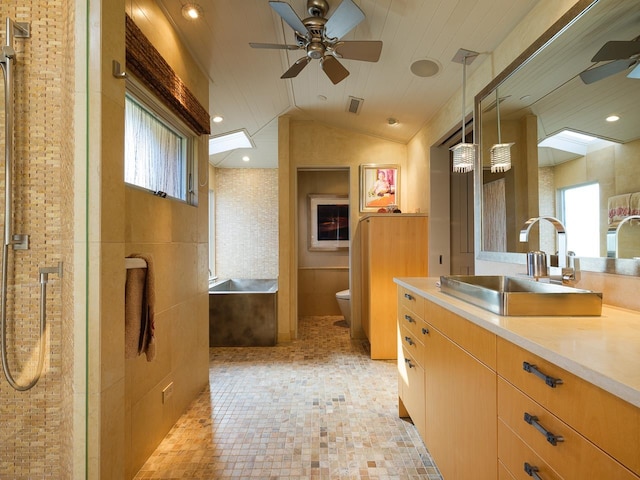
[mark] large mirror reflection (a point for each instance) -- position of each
(571, 158)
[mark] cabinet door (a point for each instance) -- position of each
(460, 393)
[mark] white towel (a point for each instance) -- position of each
(619, 207)
(634, 204)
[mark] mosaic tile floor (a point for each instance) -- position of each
(317, 408)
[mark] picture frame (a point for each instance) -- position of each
(379, 187)
(328, 222)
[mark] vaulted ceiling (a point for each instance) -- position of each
(246, 88)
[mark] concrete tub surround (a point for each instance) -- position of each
(243, 313)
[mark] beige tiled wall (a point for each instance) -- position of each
(127, 415)
(36, 426)
(246, 219)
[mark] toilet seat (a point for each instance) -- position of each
(343, 295)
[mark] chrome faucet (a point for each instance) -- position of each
(612, 236)
(565, 272)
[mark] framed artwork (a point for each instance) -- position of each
(379, 187)
(328, 222)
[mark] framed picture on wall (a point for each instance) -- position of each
(379, 187)
(328, 222)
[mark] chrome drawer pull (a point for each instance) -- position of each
(551, 438)
(409, 341)
(408, 362)
(409, 319)
(530, 368)
(532, 471)
(409, 297)
(425, 331)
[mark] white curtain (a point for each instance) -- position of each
(154, 154)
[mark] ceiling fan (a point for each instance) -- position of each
(620, 55)
(320, 38)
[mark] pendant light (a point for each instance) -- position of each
(500, 152)
(464, 154)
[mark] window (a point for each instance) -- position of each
(581, 213)
(159, 149)
(212, 235)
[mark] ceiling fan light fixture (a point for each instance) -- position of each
(191, 11)
(425, 68)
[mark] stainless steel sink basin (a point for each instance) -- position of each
(509, 295)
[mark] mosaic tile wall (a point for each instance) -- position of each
(246, 216)
(33, 423)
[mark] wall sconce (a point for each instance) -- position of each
(500, 152)
(464, 154)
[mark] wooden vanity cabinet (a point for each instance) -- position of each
(412, 331)
(600, 433)
(454, 406)
(460, 396)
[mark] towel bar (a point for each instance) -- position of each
(130, 262)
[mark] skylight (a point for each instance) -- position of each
(230, 141)
(574, 142)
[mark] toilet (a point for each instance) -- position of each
(344, 302)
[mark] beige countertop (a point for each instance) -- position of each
(604, 351)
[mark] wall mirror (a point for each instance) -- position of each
(563, 145)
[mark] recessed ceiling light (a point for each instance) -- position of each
(425, 68)
(612, 118)
(392, 121)
(217, 119)
(245, 159)
(322, 98)
(191, 11)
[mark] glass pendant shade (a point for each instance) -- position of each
(464, 155)
(501, 157)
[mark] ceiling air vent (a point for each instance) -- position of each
(354, 105)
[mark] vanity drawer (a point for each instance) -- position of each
(410, 300)
(412, 344)
(514, 454)
(411, 376)
(475, 340)
(606, 420)
(412, 322)
(567, 452)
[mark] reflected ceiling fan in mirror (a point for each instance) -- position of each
(320, 38)
(620, 55)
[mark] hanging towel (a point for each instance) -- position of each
(619, 207)
(140, 310)
(634, 204)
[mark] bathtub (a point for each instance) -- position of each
(243, 313)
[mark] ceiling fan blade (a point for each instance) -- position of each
(334, 69)
(603, 71)
(276, 46)
(368, 51)
(346, 16)
(296, 68)
(617, 50)
(290, 16)
(635, 73)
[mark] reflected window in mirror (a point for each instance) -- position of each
(581, 214)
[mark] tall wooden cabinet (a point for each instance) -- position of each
(392, 245)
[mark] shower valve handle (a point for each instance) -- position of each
(45, 271)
